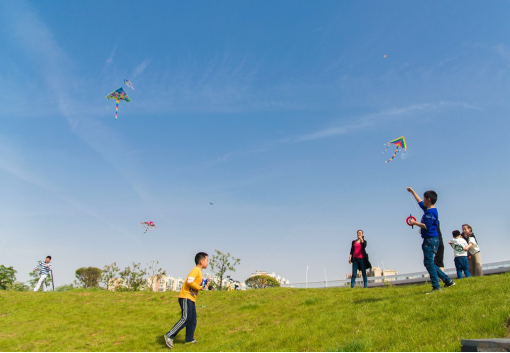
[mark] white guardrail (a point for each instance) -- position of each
(399, 279)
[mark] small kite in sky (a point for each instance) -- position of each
(401, 146)
(129, 84)
(211, 203)
(385, 56)
(118, 95)
(148, 226)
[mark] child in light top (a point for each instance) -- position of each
(459, 246)
(44, 272)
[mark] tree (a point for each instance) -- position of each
(155, 274)
(19, 287)
(134, 277)
(109, 273)
(34, 278)
(88, 277)
(256, 282)
(221, 263)
(7, 277)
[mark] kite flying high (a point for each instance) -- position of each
(148, 226)
(401, 145)
(129, 84)
(118, 95)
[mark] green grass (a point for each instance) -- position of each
(280, 319)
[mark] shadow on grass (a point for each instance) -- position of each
(368, 300)
(311, 301)
(160, 340)
(249, 306)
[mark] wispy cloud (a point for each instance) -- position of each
(354, 125)
(109, 61)
(11, 164)
(57, 69)
(502, 50)
(141, 68)
(372, 120)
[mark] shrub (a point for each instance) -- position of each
(89, 277)
(256, 282)
(7, 276)
(19, 287)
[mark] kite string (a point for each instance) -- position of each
(414, 203)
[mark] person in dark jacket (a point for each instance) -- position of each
(359, 259)
(439, 258)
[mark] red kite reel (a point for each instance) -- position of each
(408, 220)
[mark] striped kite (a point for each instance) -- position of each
(118, 95)
(401, 146)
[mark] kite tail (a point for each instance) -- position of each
(116, 108)
(394, 154)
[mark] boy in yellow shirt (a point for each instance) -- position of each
(187, 299)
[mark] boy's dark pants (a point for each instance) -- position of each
(188, 320)
(461, 264)
(429, 248)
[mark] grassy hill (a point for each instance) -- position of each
(280, 319)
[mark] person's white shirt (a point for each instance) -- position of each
(475, 248)
(458, 245)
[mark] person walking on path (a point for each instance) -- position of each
(359, 259)
(475, 258)
(44, 272)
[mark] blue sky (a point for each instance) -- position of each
(275, 112)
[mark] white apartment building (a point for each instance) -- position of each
(280, 279)
(165, 283)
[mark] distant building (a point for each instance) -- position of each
(280, 279)
(376, 272)
(165, 283)
(116, 283)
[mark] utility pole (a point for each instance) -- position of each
(326, 275)
(306, 277)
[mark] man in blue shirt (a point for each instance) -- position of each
(429, 223)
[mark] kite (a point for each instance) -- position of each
(385, 56)
(211, 203)
(129, 84)
(148, 226)
(401, 145)
(118, 95)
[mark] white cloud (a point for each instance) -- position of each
(109, 61)
(372, 120)
(141, 68)
(56, 67)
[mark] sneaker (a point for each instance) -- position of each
(192, 342)
(169, 342)
(434, 290)
(449, 284)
